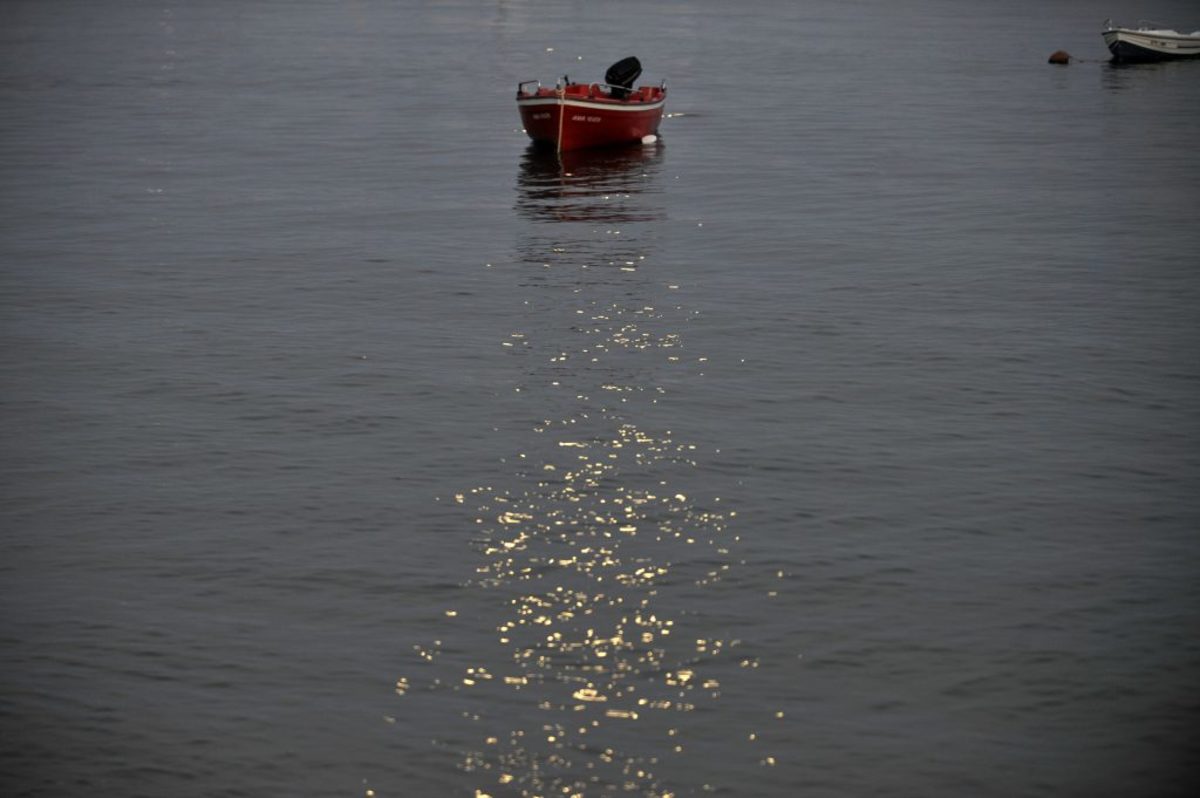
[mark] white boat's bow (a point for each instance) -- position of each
(1146, 43)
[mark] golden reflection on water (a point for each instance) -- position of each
(590, 571)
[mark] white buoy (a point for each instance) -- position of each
(650, 139)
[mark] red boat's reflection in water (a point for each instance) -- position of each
(611, 186)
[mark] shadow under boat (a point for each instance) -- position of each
(610, 185)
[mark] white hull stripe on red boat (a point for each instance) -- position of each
(596, 106)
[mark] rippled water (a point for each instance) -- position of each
(844, 442)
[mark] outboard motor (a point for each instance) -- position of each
(621, 75)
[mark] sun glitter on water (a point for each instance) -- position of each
(593, 569)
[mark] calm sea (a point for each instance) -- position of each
(842, 443)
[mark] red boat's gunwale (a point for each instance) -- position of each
(581, 115)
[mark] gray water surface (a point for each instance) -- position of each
(842, 443)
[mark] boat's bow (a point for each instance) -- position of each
(1145, 44)
(576, 115)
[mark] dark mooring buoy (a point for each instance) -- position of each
(1060, 57)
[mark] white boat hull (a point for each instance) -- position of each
(1133, 46)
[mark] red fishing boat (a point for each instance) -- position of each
(572, 116)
